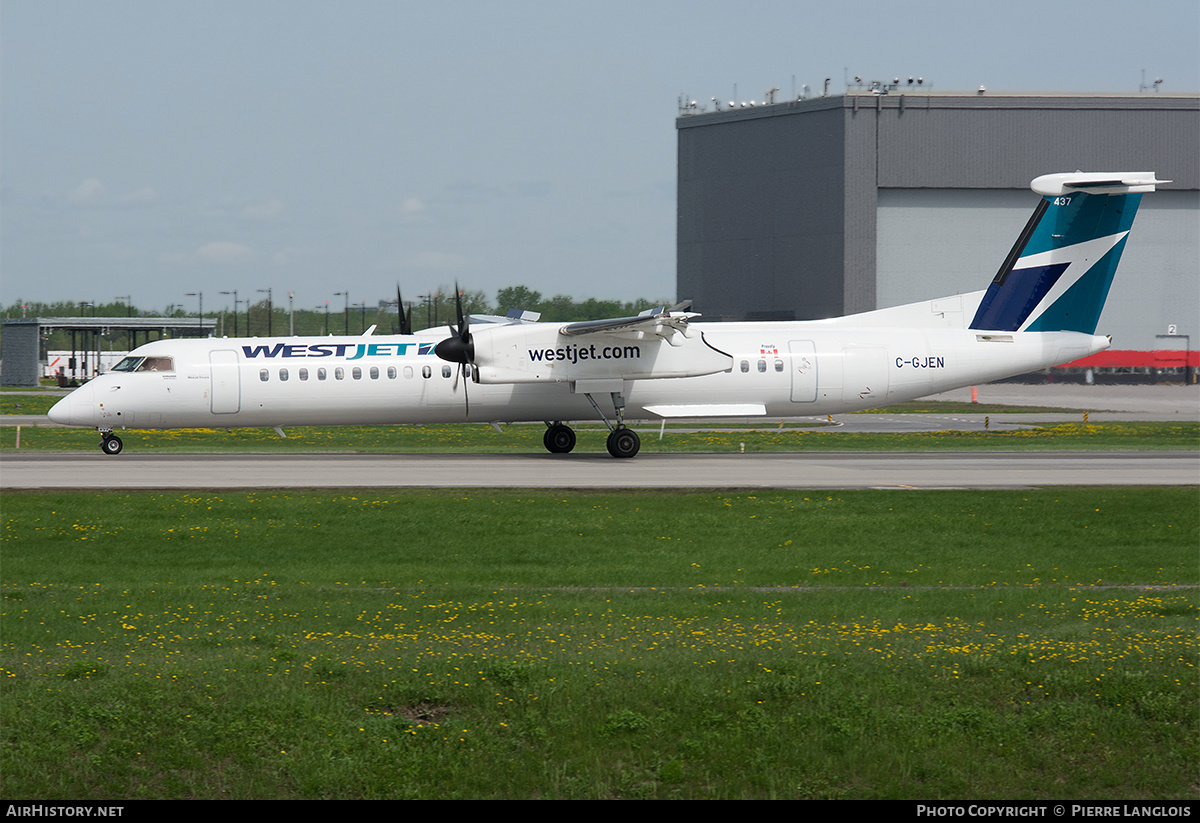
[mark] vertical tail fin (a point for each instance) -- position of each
(1056, 277)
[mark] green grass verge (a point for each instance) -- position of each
(946, 644)
(967, 407)
(478, 438)
(23, 403)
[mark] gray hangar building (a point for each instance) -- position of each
(833, 205)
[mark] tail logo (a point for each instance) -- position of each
(1042, 279)
(1057, 276)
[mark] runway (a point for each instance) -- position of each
(599, 471)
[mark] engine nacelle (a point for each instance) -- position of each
(541, 354)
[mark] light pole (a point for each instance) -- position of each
(128, 313)
(200, 295)
(268, 293)
(346, 311)
(235, 305)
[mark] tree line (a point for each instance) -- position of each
(262, 317)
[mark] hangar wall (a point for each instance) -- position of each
(824, 207)
(746, 213)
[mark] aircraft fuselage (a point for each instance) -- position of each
(777, 370)
(1041, 309)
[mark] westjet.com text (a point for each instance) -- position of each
(574, 354)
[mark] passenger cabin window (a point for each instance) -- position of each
(779, 366)
(391, 372)
(762, 366)
(283, 375)
(426, 371)
(745, 366)
(264, 375)
(304, 374)
(339, 373)
(321, 374)
(356, 373)
(446, 371)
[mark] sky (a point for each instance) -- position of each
(155, 148)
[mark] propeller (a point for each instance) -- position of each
(459, 347)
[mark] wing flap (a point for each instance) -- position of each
(709, 410)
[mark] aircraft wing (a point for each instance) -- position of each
(662, 321)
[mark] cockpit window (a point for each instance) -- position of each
(157, 364)
(145, 364)
(127, 364)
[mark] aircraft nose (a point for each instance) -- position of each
(75, 409)
(60, 412)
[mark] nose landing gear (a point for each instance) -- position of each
(110, 443)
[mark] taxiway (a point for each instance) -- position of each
(813, 470)
(595, 471)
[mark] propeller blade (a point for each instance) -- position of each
(464, 321)
(466, 395)
(405, 323)
(462, 371)
(459, 348)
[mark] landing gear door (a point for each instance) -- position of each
(225, 388)
(804, 370)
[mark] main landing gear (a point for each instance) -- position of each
(622, 442)
(110, 443)
(559, 438)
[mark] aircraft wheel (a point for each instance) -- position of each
(559, 439)
(111, 445)
(624, 443)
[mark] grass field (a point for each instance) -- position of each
(421, 644)
(480, 438)
(18, 402)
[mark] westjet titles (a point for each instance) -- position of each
(339, 350)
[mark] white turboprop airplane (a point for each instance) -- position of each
(1040, 310)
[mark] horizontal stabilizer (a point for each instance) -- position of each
(1056, 185)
